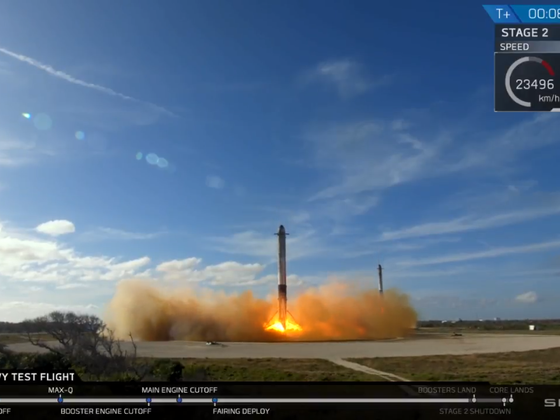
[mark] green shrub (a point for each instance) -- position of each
(121, 377)
(8, 362)
(46, 361)
(168, 370)
(195, 373)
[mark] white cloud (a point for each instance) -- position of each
(346, 76)
(30, 262)
(72, 286)
(71, 79)
(21, 250)
(234, 273)
(178, 265)
(16, 311)
(56, 227)
(529, 297)
(465, 224)
(130, 266)
(490, 253)
(229, 273)
(104, 233)
(25, 258)
(214, 181)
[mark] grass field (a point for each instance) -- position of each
(447, 330)
(530, 367)
(304, 370)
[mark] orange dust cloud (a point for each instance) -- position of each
(335, 311)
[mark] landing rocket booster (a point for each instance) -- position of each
(380, 270)
(282, 285)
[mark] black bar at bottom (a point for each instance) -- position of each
(327, 412)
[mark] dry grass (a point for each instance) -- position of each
(530, 367)
(304, 370)
(9, 338)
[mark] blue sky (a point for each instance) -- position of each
(366, 129)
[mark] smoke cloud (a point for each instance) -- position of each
(336, 311)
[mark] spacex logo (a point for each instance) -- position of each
(552, 403)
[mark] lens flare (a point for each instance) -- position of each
(42, 122)
(26, 115)
(152, 158)
(162, 163)
(80, 135)
(139, 156)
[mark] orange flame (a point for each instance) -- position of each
(276, 325)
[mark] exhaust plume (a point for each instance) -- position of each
(336, 311)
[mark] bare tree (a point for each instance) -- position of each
(86, 343)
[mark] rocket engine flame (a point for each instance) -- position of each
(289, 328)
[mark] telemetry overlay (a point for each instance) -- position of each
(526, 57)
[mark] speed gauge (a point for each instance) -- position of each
(542, 83)
(527, 82)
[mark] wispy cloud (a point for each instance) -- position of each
(14, 152)
(71, 79)
(470, 223)
(494, 149)
(341, 209)
(360, 247)
(255, 244)
(214, 181)
(529, 297)
(492, 196)
(104, 233)
(456, 302)
(4, 70)
(370, 155)
(346, 76)
(490, 253)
